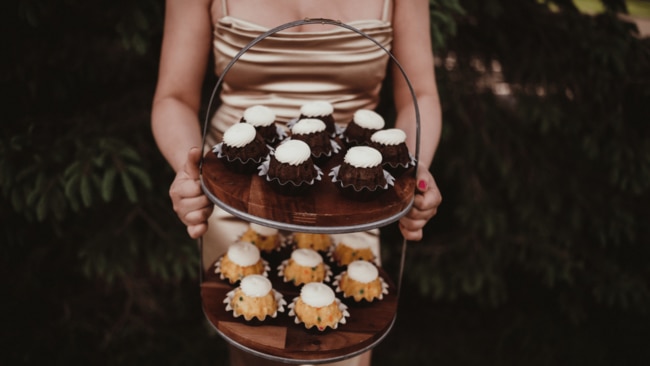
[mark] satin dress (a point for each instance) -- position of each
(282, 72)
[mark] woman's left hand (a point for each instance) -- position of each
(425, 206)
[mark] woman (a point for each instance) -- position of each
(351, 80)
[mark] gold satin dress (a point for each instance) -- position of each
(287, 69)
(282, 72)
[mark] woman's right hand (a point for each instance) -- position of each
(189, 202)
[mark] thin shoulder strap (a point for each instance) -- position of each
(224, 8)
(386, 12)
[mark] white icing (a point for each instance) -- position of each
(263, 230)
(354, 241)
(362, 271)
(293, 152)
(308, 125)
(244, 254)
(316, 108)
(317, 294)
(363, 157)
(259, 116)
(239, 135)
(255, 285)
(391, 136)
(306, 257)
(368, 119)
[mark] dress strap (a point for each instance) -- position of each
(224, 8)
(386, 12)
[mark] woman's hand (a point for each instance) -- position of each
(190, 204)
(425, 206)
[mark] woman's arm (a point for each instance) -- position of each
(412, 47)
(183, 62)
(174, 118)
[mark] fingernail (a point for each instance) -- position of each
(422, 185)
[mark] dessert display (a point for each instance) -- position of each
(255, 298)
(361, 281)
(290, 168)
(312, 131)
(263, 119)
(391, 143)
(315, 241)
(317, 306)
(251, 298)
(364, 123)
(361, 175)
(350, 248)
(304, 266)
(265, 238)
(322, 110)
(241, 259)
(242, 148)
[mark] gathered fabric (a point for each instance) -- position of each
(289, 68)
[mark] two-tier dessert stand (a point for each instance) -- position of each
(322, 210)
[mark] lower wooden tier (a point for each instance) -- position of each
(281, 339)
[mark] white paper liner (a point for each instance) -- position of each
(342, 307)
(339, 129)
(282, 134)
(217, 268)
(327, 277)
(337, 280)
(412, 162)
(335, 150)
(279, 299)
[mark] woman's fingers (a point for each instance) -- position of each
(425, 206)
(196, 231)
(190, 204)
(188, 209)
(191, 167)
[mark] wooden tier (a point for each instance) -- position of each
(281, 339)
(321, 209)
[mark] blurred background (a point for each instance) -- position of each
(538, 256)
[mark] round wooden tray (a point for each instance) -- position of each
(322, 209)
(281, 339)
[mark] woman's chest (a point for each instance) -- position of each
(270, 13)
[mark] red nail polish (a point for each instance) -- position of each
(422, 185)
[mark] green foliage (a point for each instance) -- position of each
(443, 24)
(551, 180)
(68, 175)
(88, 236)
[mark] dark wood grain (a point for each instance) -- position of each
(322, 205)
(280, 338)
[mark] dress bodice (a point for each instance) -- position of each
(289, 68)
